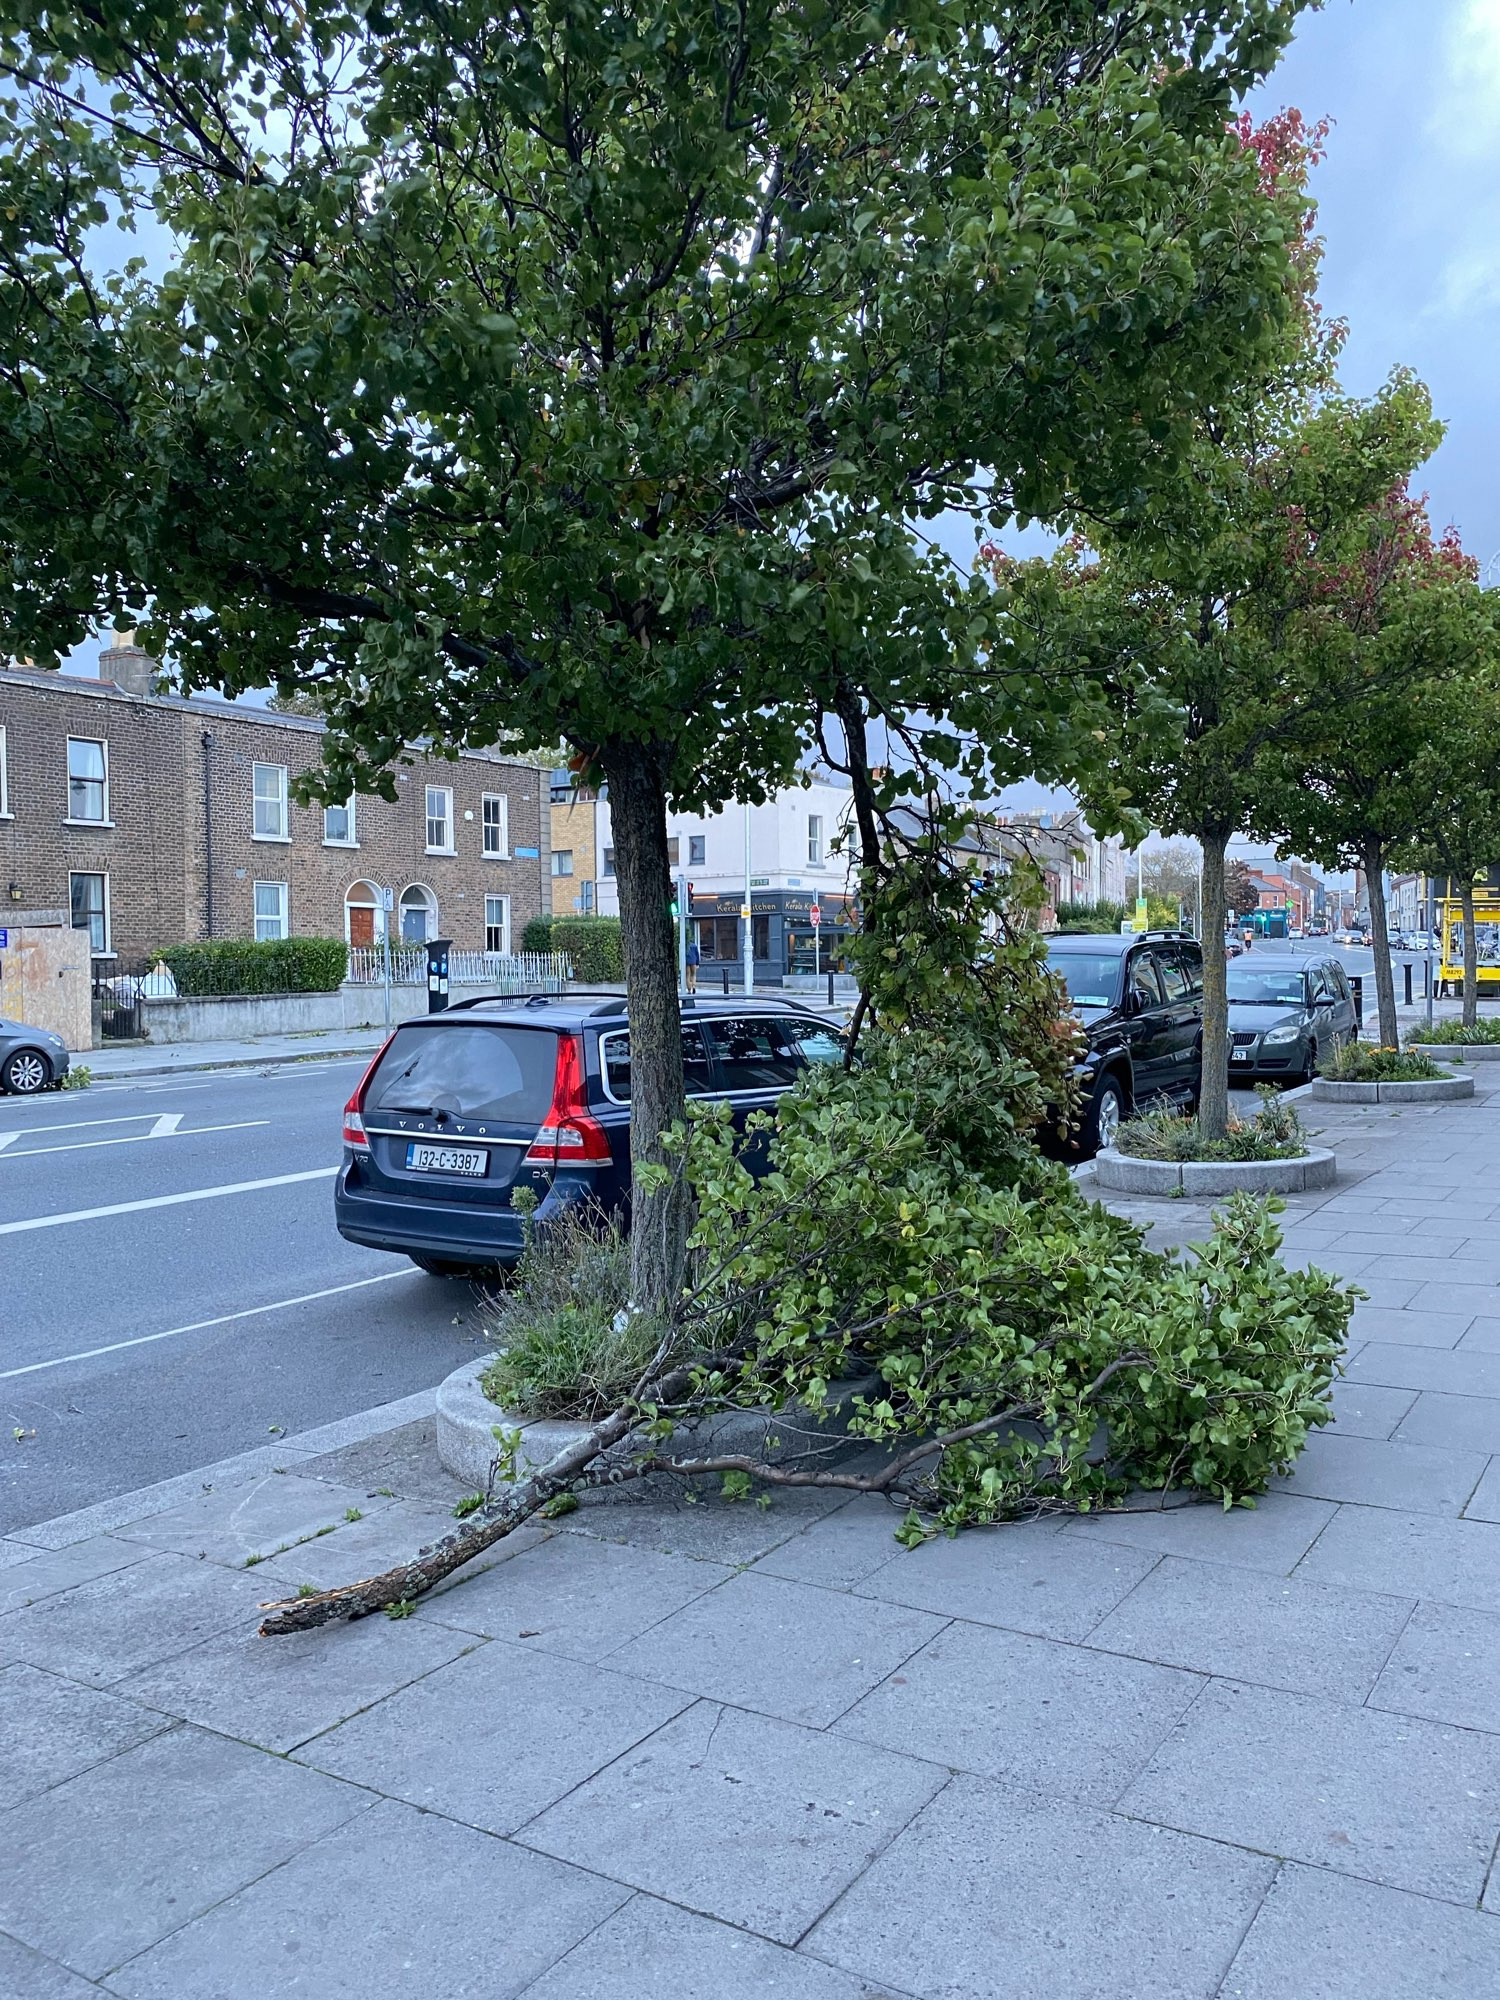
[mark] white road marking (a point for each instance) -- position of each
(163, 1200)
(7, 1139)
(201, 1325)
(169, 1121)
(134, 1138)
(79, 1124)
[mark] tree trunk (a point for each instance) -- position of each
(638, 817)
(1213, 1103)
(1372, 856)
(1471, 954)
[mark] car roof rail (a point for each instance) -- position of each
(1156, 937)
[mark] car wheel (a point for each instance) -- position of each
(447, 1267)
(1106, 1114)
(26, 1072)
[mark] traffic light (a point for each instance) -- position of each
(674, 907)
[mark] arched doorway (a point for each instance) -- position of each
(360, 904)
(419, 914)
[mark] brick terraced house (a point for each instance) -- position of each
(155, 819)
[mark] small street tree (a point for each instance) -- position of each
(1240, 892)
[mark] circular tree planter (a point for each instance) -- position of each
(1433, 1090)
(1315, 1168)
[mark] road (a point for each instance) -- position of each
(173, 1290)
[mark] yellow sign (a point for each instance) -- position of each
(1140, 913)
(744, 909)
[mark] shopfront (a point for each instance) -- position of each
(783, 935)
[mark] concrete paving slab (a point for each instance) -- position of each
(1391, 1293)
(651, 1951)
(108, 1863)
(761, 1823)
(1024, 1576)
(279, 1692)
(403, 1460)
(574, 1595)
(1445, 1667)
(52, 1729)
(1410, 1329)
(1418, 1478)
(104, 1516)
(48, 1572)
(1468, 1422)
(708, 1527)
(779, 1648)
(1364, 1409)
(495, 1737)
(396, 1533)
(105, 1629)
(255, 1519)
(840, 1550)
(1320, 1936)
(1460, 1373)
(992, 1894)
(26, 1975)
(1484, 1502)
(396, 1903)
(1450, 1297)
(1047, 1718)
(1273, 1535)
(1412, 1555)
(1251, 1627)
(1481, 1336)
(1412, 1804)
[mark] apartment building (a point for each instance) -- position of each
(153, 819)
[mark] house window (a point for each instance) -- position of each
(4, 781)
(608, 861)
(562, 860)
(270, 911)
(88, 781)
(673, 848)
(697, 850)
(814, 840)
(497, 924)
(89, 896)
(418, 914)
(496, 815)
(270, 802)
(439, 820)
(338, 825)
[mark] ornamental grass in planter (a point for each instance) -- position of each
(1362, 1062)
(1274, 1133)
(1454, 1035)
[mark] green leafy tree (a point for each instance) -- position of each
(1240, 892)
(568, 373)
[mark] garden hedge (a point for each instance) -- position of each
(592, 944)
(243, 965)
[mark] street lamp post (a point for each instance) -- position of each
(749, 920)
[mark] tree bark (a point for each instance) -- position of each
(1471, 954)
(1372, 857)
(638, 818)
(1213, 1101)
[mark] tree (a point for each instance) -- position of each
(1172, 874)
(570, 372)
(1240, 892)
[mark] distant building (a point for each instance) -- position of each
(153, 819)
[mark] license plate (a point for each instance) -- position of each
(447, 1159)
(1239, 1055)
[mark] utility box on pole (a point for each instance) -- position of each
(437, 974)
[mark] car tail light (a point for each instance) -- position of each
(354, 1110)
(571, 1135)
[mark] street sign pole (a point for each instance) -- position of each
(682, 932)
(746, 916)
(387, 904)
(817, 918)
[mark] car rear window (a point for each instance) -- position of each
(469, 1071)
(614, 1059)
(755, 1054)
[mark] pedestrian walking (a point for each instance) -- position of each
(694, 958)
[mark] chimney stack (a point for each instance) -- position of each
(123, 662)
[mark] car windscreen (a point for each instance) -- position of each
(1265, 988)
(470, 1071)
(1091, 977)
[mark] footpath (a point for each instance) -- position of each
(661, 1751)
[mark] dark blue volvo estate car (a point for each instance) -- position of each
(461, 1108)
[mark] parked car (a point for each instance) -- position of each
(1140, 999)
(31, 1059)
(1285, 1012)
(461, 1108)
(1233, 948)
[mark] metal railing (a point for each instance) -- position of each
(498, 972)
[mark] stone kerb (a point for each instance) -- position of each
(1432, 1090)
(1460, 1052)
(1126, 1175)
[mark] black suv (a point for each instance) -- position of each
(1140, 999)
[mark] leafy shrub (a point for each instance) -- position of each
(1453, 1034)
(244, 965)
(570, 1346)
(537, 935)
(593, 946)
(1075, 917)
(1274, 1133)
(1360, 1062)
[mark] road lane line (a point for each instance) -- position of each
(201, 1325)
(8, 1139)
(168, 1123)
(81, 1124)
(133, 1139)
(163, 1200)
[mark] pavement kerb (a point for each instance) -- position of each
(284, 1455)
(261, 1060)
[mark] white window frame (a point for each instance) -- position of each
(503, 926)
(445, 793)
(815, 840)
(280, 799)
(104, 818)
(562, 854)
(697, 850)
(607, 864)
(351, 839)
(282, 916)
(501, 852)
(429, 905)
(107, 949)
(5, 812)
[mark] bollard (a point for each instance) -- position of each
(1357, 989)
(830, 989)
(1407, 969)
(726, 982)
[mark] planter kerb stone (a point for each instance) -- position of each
(1122, 1173)
(1431, 1090)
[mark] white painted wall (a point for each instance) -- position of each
(779, 853)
